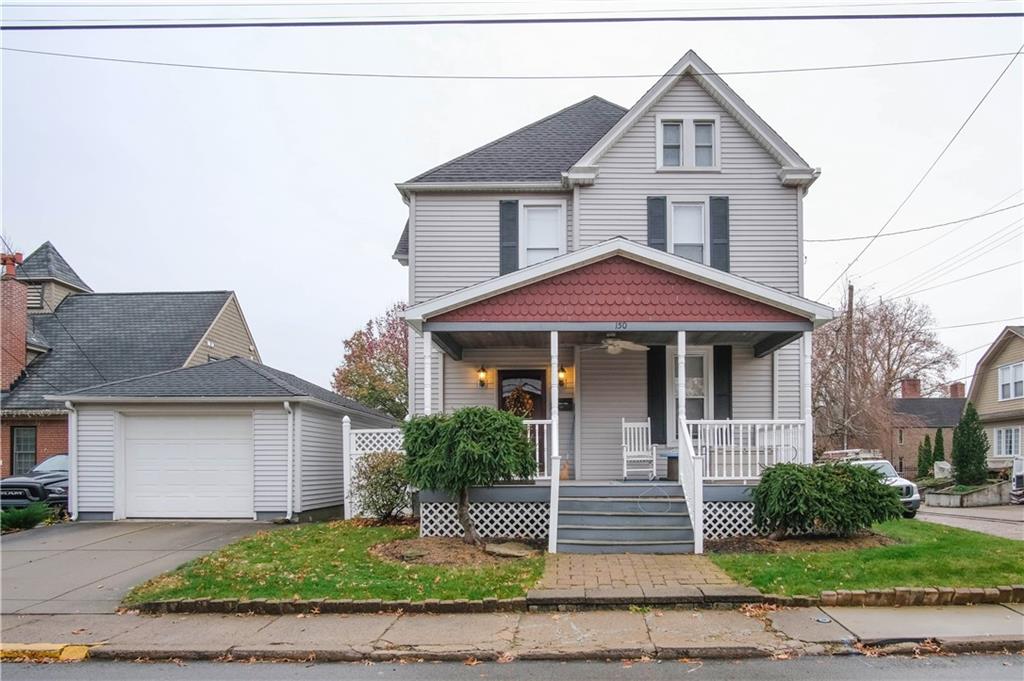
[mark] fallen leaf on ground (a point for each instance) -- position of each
(471, 662)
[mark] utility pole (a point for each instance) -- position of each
(848, 366)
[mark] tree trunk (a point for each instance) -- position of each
(469, 529)
(778, 535)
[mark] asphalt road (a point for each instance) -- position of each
(958, 668)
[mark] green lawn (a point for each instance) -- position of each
(331, 560)
(927, 555)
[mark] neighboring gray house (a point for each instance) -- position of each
(639, 273)
(230, 438)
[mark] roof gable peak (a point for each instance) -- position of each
(46, 263)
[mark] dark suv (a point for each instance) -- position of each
(47, 482)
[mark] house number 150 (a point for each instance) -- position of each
(621, 325)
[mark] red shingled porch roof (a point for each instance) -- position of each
(617, 288)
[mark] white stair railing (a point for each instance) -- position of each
(691, 477)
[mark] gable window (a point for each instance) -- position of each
(899, 436)
(541, 231)
(687, 142)
(23, 449)
(1006, 441)
(1011, 381)
(688, 230)
(672, 144)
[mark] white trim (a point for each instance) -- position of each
(997, 442)
(524, 204)
(687, 142)
(555, 457)
(290, 462)
(428, 345)
(577, 411)
(410, 188)
(575, 218)
(727, 281)
(705, 204)
(775, 385)
(800, 193)
(805, 395)
(72, 459)
(695, 67)
(120, 472)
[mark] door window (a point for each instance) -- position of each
(697, 380)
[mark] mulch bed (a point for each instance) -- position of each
(802, 544)
(435, 551)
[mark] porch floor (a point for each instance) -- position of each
(624, 570)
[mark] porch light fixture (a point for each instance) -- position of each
(481, 374)
(561, 376)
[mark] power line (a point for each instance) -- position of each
(985, 246)
(460, 2)
(927, 172)
(955, 281)
(903, 256)
(521, 21)
(428, 76)
(991, 321)
(916, 229)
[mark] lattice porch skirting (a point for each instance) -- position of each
(723, 519)
(520, 520)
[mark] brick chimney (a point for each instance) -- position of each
(910, 387)
(957, 390)
(13, 320)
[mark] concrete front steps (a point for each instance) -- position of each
(627, 517)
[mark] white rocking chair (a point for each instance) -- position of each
(638, 454)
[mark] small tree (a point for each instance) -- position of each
(475, 446)
(970, 448)
(939, 449)
(374, 368)
(924, 457)
(379, 484)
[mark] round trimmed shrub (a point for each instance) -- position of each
(379, 484)
(832, 499)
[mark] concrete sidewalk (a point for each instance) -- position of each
(603, 634)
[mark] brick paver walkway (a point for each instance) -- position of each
(620, 570)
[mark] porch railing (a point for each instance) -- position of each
(691, 477)
(743, 449)
(539, 433)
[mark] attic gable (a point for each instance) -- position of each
(794, 170)
(47, 264)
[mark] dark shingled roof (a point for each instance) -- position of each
(931, 412)
(401, 253)
(47, 263)
(234, 377)
(122, 334)
(538, 152)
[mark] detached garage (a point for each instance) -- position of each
(228, 439)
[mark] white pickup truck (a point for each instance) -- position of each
(908, 491)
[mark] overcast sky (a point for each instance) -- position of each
(281, 187)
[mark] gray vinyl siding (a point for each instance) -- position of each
(764, 240)
(612, 387)
(270, 460)
(320, 467)
(462, 385)
(751, 384)
(455, 240)
(96, 444)
(788, 380)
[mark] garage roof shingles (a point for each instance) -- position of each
(617, 288)
(234, 377)
(101, 337)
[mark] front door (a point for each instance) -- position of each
(524, 393)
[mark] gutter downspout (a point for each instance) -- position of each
(73, 459)
(291, 459)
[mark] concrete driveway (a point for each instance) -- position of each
(1001, 521)
(88, 567)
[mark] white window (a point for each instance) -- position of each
(1011, 381)
(1007, 441)
(672, 144)
(541, 232)
(687, 142)
(699, 402)
(688, 230)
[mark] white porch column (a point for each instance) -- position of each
(428, 365)
(681, 385)
(805, 396)
(555, 467)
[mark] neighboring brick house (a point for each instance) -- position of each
(998, 394)
(59, 336)
(914, 417)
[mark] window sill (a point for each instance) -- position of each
(709, 169)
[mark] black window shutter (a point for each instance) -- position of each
(723, 381)
(656, 223)
(720, 232)
(508, 236)
(656, 393)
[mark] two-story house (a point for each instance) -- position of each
(997, 392)
(638, 275)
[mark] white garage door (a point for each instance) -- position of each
(188, 466)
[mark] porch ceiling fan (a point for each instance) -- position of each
(614, 346)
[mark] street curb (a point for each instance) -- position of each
(64, 652)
